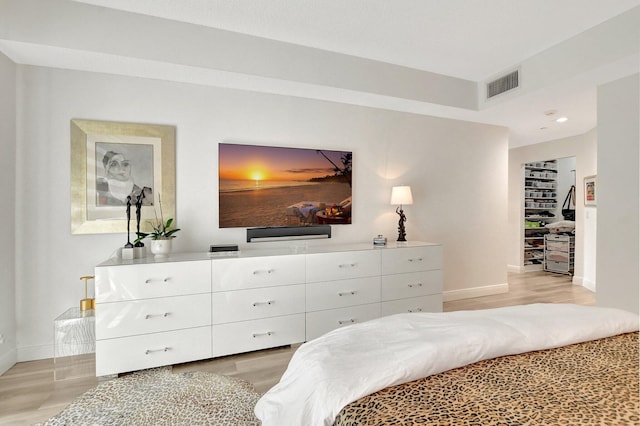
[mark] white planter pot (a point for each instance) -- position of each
(160, 248)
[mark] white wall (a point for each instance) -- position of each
(583, 148)
(590, 217)
(617, 192)
(457, 171)
(7, 210)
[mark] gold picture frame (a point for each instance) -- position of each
(146, 150)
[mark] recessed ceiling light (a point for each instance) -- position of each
(561, 119)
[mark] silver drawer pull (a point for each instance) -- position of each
(346, 293)
(268, 333)
(347, 265)
(415, 310)
(417, 259)
(268, 302)
(150, 280)
(166, 314)
(148, 351)
(263, 271)
(349, 321)
(415, 285)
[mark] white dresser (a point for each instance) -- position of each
(412, 280)
(151, 314)
(342, 288)
(258, 302)
(196, 306)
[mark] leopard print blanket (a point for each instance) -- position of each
(592, 383)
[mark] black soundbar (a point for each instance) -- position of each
(217, 248)
(275, 233)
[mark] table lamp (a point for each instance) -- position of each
(401, 195)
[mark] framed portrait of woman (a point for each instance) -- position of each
(115, 165)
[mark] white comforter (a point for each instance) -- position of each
(344, 365)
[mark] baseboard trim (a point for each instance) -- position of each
(589, 285)
(32, 353)
(581, 281)
(8, 360)
(470, 293)
(515, 268)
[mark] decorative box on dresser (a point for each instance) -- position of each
(196, 306)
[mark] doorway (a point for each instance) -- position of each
(548, 190)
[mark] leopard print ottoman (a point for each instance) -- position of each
(158, 397)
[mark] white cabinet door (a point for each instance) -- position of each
(414, 284)
(245, 336)
(342, 293)
(255, 272)
(144, 281)
(411, 259)
(115, 356)
(431, 303)
(342, 265)
(321, 322)
(243, 305)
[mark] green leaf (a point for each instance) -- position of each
(170, 233)
(141, 236)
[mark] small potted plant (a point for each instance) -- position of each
(161, 235)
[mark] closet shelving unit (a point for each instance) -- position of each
(540, 205)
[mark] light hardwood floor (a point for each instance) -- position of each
(28, 393)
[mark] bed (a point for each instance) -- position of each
(530, 364)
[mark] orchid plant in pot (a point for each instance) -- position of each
(161, 234)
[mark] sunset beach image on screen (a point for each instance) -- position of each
(262, 186)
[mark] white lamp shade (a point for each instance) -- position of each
(401, 195)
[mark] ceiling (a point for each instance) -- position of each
(466, 39)
(461, 38)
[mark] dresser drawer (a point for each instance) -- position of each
(558, 237)
(131, 282)
(243, 305)
(255, 272)
(343, 265)
(115, 356)
(342, 293)
(401, 286)
(248, 336)
(554, 265)
(411, 259)
(431, 303)
(321, 322)
(119, 319)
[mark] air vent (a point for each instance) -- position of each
(502, 84)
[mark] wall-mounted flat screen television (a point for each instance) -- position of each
(267, 186)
